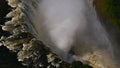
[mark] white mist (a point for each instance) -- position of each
(71, 25)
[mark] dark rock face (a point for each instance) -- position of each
(7, 58)
(4, 9)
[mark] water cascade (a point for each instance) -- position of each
(72, 30)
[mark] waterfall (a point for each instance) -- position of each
(71, 25)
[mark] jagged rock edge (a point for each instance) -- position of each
(30, 51)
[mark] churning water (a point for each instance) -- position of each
(71, 25)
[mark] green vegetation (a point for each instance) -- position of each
(110, 9)
(113, 9)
